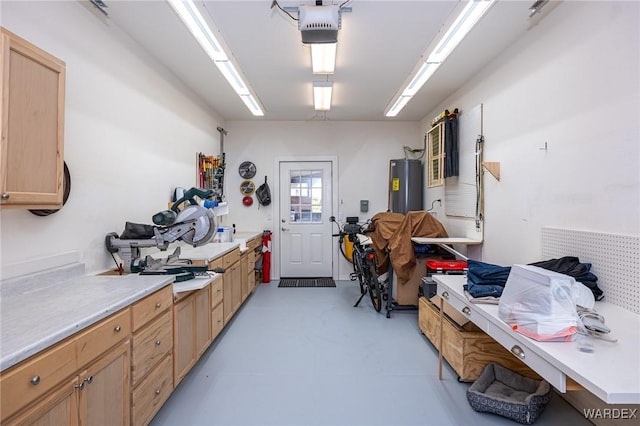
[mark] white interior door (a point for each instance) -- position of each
(305, 229)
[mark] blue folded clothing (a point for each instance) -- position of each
(486, 279)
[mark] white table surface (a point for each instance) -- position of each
(611, 372)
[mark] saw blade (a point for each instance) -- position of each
(204, 226)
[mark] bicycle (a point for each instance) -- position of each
(364, 261)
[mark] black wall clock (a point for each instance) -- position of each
(247, 170)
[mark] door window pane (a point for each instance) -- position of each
(306, 196)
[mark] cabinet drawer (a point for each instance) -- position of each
(216, 263)
(153, 391)
(102, 336)
(231, 257)
(151, 345)
(216, 291)
(151, 306)
(463, 310)
(30, 380)
(217, 321)
(253, 244)
(550, 373)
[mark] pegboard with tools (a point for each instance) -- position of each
(210, 174)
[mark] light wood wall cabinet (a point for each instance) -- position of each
(82, 380)
(152, 361)
(31, 125)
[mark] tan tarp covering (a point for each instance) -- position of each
(392, 234)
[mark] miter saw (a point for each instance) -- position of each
(194, 224)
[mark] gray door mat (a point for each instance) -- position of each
(307, 282)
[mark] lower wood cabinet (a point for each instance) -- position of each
(152, 361)
(191, 330)
(98, 395)
(217, 308)
(149, 396)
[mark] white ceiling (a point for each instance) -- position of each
(379, 45)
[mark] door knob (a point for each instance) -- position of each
(284, 229)
(283, 220)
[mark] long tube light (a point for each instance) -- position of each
(467, 19)
(203, 33)
(323, 58)
(322, 91)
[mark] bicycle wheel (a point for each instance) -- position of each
(374, 286)
(358, 271)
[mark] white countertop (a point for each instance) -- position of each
(610, 372)
(34, 317)
(211, 251)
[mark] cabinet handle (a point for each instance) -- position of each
(80, 385)
(117, 329)
(466, 310)
(158, 305)
(517, 351)
(445, 295)
(5, 196)
(35, 380)
(157, 391)
(157, 342)
(89, 379)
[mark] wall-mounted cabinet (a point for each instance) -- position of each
(31, 125)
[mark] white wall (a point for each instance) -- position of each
(131, 134)
(572, 82)
(363, 150)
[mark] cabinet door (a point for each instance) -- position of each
(31, 155)
(227, 302)
(236, 292)
(244, 282)
(59, 408)
(104, 398)
(184, 350)
(203, 320)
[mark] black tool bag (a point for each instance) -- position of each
(263, 193)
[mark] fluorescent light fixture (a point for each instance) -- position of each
(469, 16)
(397, 107)
(467, 19)
(229, 72)
(323, 58)
(322, 95)
(426, 70)
(203, 33)
(192, 18)
(253, 106)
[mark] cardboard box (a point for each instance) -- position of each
(406, 293)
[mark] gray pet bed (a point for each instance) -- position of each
(501, 391)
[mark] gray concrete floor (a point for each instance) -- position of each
(306, 356)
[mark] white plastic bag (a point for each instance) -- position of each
(541, 304)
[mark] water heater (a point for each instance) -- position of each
(405, 185)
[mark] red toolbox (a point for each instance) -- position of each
(438, 266)
(446, 266)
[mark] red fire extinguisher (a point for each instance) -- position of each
(266, 256)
